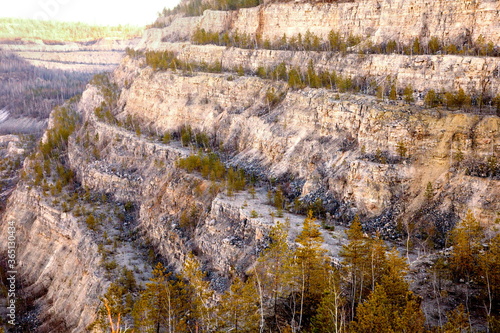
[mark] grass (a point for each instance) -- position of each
(53, 31)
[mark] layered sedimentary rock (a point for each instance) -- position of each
(54, 264)
(451, 21)
(304, 135)
(398, 166)
(474, 75)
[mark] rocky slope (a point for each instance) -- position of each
(422, 72)
(402, 168)
(303, 137)
(381, 21)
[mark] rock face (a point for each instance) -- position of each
(54, 262)
(424, 72)
(395, 165)
(400, 20)
(141, 170)
(307, 134)
(324, 144)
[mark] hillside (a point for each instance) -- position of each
(20, 31)
(292, 166)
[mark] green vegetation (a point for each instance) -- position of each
(197, 7)
(336, 42)
(475, 258)
(134, 53)
(298, 289)
(432, 99)
(165, 60)
(110, 92)
(53, 31)
(49, 163)
(211, 167)
(457, 100)
(408, 95)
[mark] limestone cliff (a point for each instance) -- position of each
(404, 169)
(304, 136)
(423, 72)
(453, 21)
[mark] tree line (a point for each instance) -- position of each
(299, 79)
(197, 7)
(15, 29)
(299, 289)
(338, 42)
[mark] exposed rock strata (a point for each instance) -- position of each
(57, 260)
(304, 135)
(401, 20)
(423, 72)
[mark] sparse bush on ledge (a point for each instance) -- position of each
(298, 79)
(337, 42)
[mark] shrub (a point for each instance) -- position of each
(401, 149)
(261, 72)
(278, 199)
(380, 93)
(202, 140)
(393, 94)
(416, 47)
(189, 219)
(429, 192)
(312, 78)
(280, 72)
(236, 180)
(294, 79)
(431, 99)
(166, 138)
(273, 98)
(496, 104)
(186, 134)
(408, 94)
(109, 265)
(434, 45)
(391, 46)
(91, 222)
(459, 99)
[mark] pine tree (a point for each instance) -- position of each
(374, 315)
(466, 238)
(391, 307)
(113, 309)
(274, 269)
(312, 77)
(238, 309)
(312, 267)
(489, 262)
(431, 99)
(393, 94)
(294, 79)
(408, 95)
(355, 265)
(330, 317)
(163, 305)
(378, 266)
(201, 294)
(458, 321)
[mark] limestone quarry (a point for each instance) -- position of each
(405, 169)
